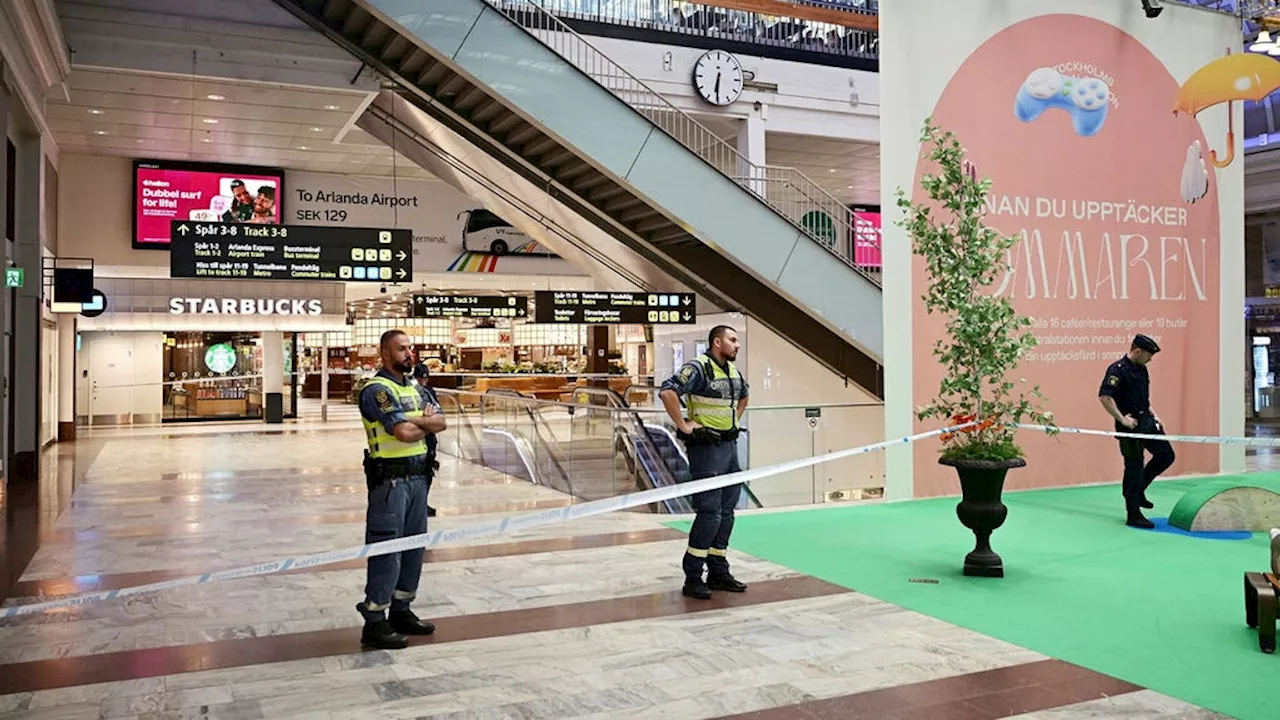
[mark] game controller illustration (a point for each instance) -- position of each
(1086, 99)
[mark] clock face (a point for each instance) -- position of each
(718, 77)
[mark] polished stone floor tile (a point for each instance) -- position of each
(588, 629)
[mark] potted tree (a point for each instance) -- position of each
(984, 341)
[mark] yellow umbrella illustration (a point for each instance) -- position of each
(1247, 76)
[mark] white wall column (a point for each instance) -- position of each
(273, 376)
(751, 147)
(66, 378)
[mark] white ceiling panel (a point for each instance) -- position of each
(146, 115)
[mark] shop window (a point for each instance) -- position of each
(218, 376)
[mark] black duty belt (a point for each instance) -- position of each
(418, 465)
(709, 436)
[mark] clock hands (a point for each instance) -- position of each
(718, 86)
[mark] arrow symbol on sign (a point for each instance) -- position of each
(400, 273)
(183, 229)
(401, 256)
(688, 301)
(687, 317)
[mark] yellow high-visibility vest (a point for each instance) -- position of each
(716, 412)
(383, 444)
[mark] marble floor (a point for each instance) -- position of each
(576, 620)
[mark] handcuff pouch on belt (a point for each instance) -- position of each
(708, 436)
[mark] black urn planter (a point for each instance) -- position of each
(980, 509)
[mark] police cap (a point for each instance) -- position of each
(421, 371)
(1142, 342)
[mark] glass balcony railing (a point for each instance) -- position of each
(710, 20)
(596, 446)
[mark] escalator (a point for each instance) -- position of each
(522, 88)
(606, 449)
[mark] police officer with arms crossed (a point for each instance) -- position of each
(398, 420)
(717, 397)
(1126, 396)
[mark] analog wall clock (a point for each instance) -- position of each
(718, 77)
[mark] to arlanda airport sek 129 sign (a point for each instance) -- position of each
(236, 251)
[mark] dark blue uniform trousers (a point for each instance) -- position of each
(1137, 477)
(397, 508)
(709, 536)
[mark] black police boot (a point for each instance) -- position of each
(695, 588)
(725, 582)
(1137, 520)
(1146, 503)
(406, 623)
(380, 635)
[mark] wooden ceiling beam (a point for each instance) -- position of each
(785, 8)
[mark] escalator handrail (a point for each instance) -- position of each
(521, 450)
(553, 450)
(552, 446)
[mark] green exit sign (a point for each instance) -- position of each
(13, 277)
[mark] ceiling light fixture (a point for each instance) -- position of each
(316, 129)
(1264, 43)
(332, 107)
(303, 147)
(209, 121)
(215, 96)
(99, 132)
(96, 111)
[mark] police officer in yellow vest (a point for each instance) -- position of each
(717, 396)
(398, 420)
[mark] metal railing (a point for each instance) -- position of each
(711, 21)
(809, 207)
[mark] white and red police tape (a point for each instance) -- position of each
(1200, 439)
(500, 526)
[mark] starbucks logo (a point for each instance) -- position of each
(220, 358)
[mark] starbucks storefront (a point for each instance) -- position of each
(193, 350)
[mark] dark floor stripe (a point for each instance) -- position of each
(192, 528)
(986, 695)
(58, 587)
(157, 662)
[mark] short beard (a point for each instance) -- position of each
(403, 367)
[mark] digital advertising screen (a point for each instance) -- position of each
(165, 191)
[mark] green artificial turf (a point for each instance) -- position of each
(1158, 609)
